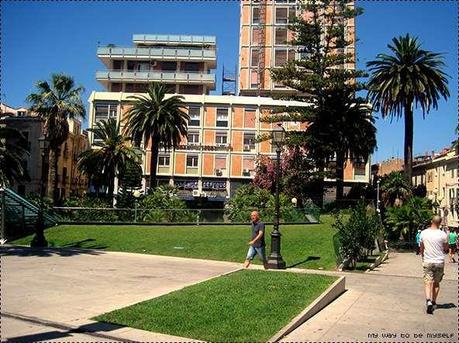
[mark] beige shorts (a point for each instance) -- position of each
(433, 271)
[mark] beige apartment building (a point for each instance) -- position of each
(219, 152)
(70, 181)
(439, 173)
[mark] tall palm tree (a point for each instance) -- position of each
(12, 152)
(156, 120)
(56, 102)
(110, 157)
(410, 76)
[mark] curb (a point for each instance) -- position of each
(332, 292)
(378, 261)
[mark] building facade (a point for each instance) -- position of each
(264, 43)
(183, 63)
(70, 181)
(219, 152)
(439, 173)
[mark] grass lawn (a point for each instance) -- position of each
(240, 307)
(303, 246)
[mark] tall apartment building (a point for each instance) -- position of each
(181, 62)
(264, 43)
(70, 181)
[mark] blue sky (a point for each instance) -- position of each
(39, 38)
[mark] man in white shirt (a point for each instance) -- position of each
(434, 246)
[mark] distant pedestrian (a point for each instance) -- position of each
(434, 246)
(418, 241)
(257, 243)
(452, 241)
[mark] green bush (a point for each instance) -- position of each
(164, 206)
(249, 198)
(97, 210)
(404, 220)
(357, 235)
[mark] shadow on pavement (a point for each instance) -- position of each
(71, 249)
(93, 329)
(309, 258)
(446, 306)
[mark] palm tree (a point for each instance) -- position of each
(410, 76)
(156, 120)
(395, 189)
(348, 123)
(110, 157)
(12, 151)
(56, 102)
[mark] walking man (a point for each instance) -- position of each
(257, 243)
(452, 241)
(434, 246)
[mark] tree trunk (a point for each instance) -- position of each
(153, 163)
(321, 184)
(339, 176)
(111, 187)
(408, 148)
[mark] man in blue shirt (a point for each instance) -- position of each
(257, 243)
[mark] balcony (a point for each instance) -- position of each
(174, 39)
(171, 77)
(159, 53)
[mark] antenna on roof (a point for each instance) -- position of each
(229, 81)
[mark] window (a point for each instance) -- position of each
(249, 140)
(192, 161)
(118, 65)
(116, 87)
(281, 15)
(285, 15)
(169, 66)
(281, 36)
(256, 36)
(195, 114)
(255, 15)
(249, 117)
(280, 57)
(193, 138)
(221, 138)
(253, 78)
(21, 113)
(248, 165)
(222, 117)
(104, 111)
(254, 54)
(191, 66)
(164, 161)
(220, 162)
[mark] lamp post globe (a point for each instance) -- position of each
(275, 260)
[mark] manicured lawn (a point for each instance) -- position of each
(303, 246)
(246, 306)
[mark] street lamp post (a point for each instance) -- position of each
(39, 239)
(378, 208)
(275, 260)
(136, 195)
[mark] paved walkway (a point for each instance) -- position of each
(381, 305)
(51, 295)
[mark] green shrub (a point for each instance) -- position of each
(96, 210)
(404, 220)
(357, 235)
(249, 198)
(164, 206)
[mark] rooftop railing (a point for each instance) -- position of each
(184, 39)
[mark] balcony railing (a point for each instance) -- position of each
(171, 39)
(167, 77)
(159, 53)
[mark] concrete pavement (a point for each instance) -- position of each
(49, 295)
(387, 305)
(58, 290)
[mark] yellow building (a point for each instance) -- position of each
(439, 173)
